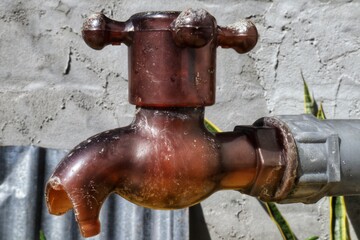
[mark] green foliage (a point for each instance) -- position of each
(310, 105)
(211, 127)
(279, 220)
(338, 219)
(313, 238)
(320, 114)
(42, 235)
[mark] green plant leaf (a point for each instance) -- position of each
(211, 127)
(320, 113)
(42, 235)
(313, 238)
(310, 105)
(338, 219)
(279, 220)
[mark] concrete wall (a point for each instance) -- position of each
(55, 91)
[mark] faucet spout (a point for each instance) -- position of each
(87, 175)
(165, 159)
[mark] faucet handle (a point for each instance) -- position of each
(99, 31)
(196, 28)
(192, 28)
(242, 36)
(169, 52)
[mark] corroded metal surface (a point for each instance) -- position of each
(172, 55)
(165, 159)
(290, 156)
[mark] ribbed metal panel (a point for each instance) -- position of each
(23, 172)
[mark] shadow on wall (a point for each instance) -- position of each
(353, 210)
(198, 228)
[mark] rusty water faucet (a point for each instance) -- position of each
(166, 158)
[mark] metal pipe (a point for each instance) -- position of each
(328, 155)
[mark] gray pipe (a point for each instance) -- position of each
(349, 135)
(328, 156)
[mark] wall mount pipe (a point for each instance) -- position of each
(328, 155)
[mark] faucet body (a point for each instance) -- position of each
(166, 158)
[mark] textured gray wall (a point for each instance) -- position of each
(55, 91)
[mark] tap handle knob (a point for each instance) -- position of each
(242, 36)
(99, 31)
(196, 28)
(193, 28)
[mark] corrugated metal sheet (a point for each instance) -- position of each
(23, 173)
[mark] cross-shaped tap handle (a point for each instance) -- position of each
(172, 55)
(190, 28)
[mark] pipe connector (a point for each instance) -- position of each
(327, 155)
(272, 163)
